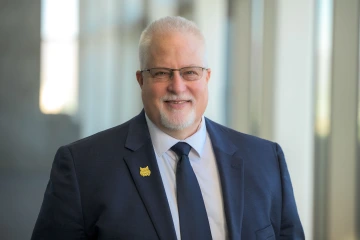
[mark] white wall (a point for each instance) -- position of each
(293, 123)
(211, 17)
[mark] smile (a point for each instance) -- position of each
(178, 102)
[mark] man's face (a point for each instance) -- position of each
(176, 105)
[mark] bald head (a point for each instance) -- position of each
(166, 27)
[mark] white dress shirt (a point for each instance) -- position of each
(203, 162)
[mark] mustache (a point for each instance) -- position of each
(173, 97)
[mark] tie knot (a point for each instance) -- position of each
(181, 148)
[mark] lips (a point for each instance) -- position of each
(177, 104)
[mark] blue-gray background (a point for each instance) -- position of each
(285, 70)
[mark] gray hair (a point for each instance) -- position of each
(164, 25)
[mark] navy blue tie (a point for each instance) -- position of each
(194, 223)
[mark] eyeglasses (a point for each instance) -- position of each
(165, 74)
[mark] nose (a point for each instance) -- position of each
(177, 84)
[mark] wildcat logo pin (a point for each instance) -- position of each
(145, 172)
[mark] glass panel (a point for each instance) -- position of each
(59, 56)
(323, 60)
(256, 68)
(358, 145)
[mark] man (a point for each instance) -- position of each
(136, 181)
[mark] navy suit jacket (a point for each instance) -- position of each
(96, 191)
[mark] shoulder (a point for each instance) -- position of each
(236, 136)
(231, 140)
(103, 139)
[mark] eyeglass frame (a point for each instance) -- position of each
(172, 72)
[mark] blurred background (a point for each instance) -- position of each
(284, 70)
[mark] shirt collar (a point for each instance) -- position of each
(162, 142)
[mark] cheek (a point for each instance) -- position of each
(201, 92)
(152, 93)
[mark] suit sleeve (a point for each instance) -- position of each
(60, 215)
(291, 228)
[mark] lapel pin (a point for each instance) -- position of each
(145, 172)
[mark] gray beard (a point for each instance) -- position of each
(176, 125)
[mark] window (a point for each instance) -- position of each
(59, 57)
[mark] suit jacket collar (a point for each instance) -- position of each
(231, 170)
(151, 189)
(138, 133)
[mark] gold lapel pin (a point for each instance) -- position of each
(145, 172)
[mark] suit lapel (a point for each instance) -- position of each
(231, 170)
(150, 187)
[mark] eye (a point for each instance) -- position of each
(191, 72)
(160, 73)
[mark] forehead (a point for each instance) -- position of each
(176, 48)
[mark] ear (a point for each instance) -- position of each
(139, 78)
(208, 74)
